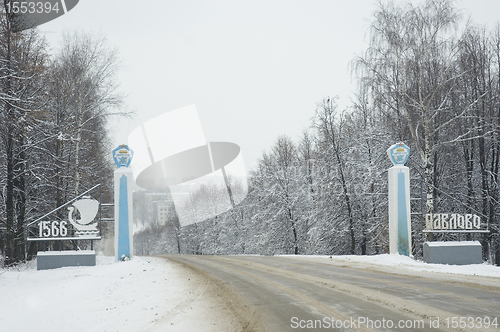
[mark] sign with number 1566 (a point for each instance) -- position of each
(52, 228)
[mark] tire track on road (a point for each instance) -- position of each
(268, 291)
(401, 309)
(245, 317)
(398, 283)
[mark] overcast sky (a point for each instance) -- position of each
(254, 69)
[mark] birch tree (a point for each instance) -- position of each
(329, 125)
(84, 96)
(410, 68)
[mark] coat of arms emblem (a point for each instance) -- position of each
(122, 155)
(398, 153)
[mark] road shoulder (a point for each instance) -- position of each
(211, 305)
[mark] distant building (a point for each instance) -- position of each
(162, 214)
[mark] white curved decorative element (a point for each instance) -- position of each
(165, 135)
(204, 178)
(88, 209)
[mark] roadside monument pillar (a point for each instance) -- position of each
(123, 184)
(399, 201)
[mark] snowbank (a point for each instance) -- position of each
(136, 295)
(401, 263)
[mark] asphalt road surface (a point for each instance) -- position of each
(299, 294)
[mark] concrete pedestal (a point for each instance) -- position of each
(56, 259)
(453, 252)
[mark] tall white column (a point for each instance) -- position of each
(399, 201)
(123, 185)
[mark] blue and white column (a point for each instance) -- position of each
(123, 184)
(399, 201)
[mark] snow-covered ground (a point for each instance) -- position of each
(143, 294)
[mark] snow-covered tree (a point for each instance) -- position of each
(23, 60)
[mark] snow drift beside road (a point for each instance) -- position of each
(143, 294)
(403, 263)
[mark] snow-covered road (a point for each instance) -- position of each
(353, 293)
